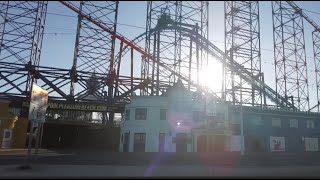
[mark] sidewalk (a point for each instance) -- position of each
(20, 151)
(24, 152)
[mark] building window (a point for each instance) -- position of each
(310, 124)
(161, 142)
(139, 142)
(234, 119)
(293, 123)
(196, 115)
(311, 144)
(141, 114)
(163, 114)
(257, 120)
(220, 116)
(127, 116)
(276, 122)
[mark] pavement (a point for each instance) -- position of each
(23, 152)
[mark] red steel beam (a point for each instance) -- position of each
(126, 41)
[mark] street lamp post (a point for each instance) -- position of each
(241, 126)
(241, 130)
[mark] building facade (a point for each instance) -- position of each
(183, 121)
(270, 130)
(13, 129)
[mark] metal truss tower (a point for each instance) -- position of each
(242, 45)
(94, 51)
(94, 48)
(21, 33)
(316, 53)
(289, 53)
(176, 51)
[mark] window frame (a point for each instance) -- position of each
(161, 114)
(127, 116)
(310, 124)
(257, 121)
(195, 116)
(296, 124)
(136, 115)
(272, 122)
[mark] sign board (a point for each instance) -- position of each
(7, 136)
(75, 106)
(38, 104)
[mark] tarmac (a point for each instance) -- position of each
(99, 163)
(57, 171)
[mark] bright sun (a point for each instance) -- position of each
(211, 76)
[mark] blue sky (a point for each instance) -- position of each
(59, 38)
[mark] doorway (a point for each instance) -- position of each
(126, 142)
(202, 143)
(139, 142)
(181, 142)
(211, 143)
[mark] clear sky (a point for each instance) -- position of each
(59, 38)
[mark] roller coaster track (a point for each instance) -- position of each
(135, 47)
(299, 10)
(234, 66)
(205, 44)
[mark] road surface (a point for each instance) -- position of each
(157, 171)
(93, 163)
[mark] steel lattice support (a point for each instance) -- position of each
(289, 54)
(176, 51)
(94, 48)
(56, 81)
(242, 44)
(21, 33)
(316, 53)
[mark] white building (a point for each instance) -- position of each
(177, 121)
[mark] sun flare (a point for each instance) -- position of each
(211, 76)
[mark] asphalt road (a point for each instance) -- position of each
(99, 163)
(157, 171)
(103, 157)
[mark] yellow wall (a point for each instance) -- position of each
(18, 125)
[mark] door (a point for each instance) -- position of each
(126, 142)
(202, 143)
(181, 142)
(139, 142)
(219, 143)
(161, 142)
